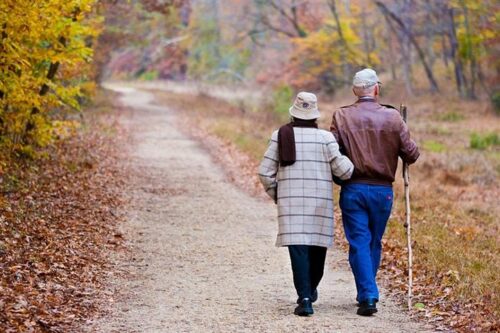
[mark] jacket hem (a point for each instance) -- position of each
(284, 244)
(368, 181)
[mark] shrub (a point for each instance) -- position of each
(451, 116)
(433, 146)
(495, 100)
(282, 100)
(45, 54)
(148, 75)
(478, 141)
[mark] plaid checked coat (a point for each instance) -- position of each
(304, 190)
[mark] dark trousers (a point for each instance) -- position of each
(308, 263)
(365, 211)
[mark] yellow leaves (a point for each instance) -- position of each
(34, 35)
(63, 129)
(323, 53)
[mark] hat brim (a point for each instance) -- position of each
(314, 114)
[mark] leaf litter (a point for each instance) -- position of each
(57, 227)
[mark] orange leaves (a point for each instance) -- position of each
(56, 221)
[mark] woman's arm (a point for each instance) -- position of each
(269, 166)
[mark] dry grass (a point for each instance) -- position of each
(248, 130)
(454, 199)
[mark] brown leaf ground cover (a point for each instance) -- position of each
(57, 218)
(454, 202)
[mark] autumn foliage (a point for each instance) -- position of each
(45, 51)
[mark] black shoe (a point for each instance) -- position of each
(358, 304)
(314, 297)
(367, 308)
(304, 308)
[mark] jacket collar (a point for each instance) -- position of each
(365, 99)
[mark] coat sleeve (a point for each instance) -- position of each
(408, 149)
(341, 165)
(269, 166)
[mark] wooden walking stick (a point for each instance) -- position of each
(406, 177)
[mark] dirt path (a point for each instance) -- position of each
(203, 251)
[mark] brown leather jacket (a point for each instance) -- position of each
(373, 136)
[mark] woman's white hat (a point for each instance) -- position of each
(305, 106)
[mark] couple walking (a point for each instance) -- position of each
(361, 154)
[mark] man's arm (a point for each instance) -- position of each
(269, 168)
(334, 128)
(408, 149)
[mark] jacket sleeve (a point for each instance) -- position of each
(341, 165)
(408, 149)
(334, 128)
(269, 166)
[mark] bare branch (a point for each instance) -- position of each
(383, 8)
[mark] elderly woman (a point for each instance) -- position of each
(297, 173)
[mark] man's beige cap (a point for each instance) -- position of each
(365, 78)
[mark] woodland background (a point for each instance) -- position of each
(441, 58)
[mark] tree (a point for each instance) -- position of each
(214, 53)
(391, 15)
(288, 13)
(43, 46)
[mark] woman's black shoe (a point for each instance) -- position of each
(367, 308)
(304, 308)
(314, 297)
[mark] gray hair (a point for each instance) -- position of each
(364, 91)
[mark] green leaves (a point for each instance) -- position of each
(419, 306)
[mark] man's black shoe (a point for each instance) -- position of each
(368, 307)
(304, 308)
(359, 304)
(314, 297)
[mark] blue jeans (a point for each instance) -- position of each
(365, 211)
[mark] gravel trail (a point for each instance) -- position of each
(203, 251)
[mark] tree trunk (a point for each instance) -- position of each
(446, 52)
(3, 35)
(295, 20)
(292, 18)
(345, 47)
(471, 89)
(390, 40)
(51, 74)
(430, 34)
(412, 39)
(366, 39)
(406, 59)
(457, 62)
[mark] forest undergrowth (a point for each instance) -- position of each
(57, 218)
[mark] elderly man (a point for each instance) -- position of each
(372, 135)
(297, 173)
